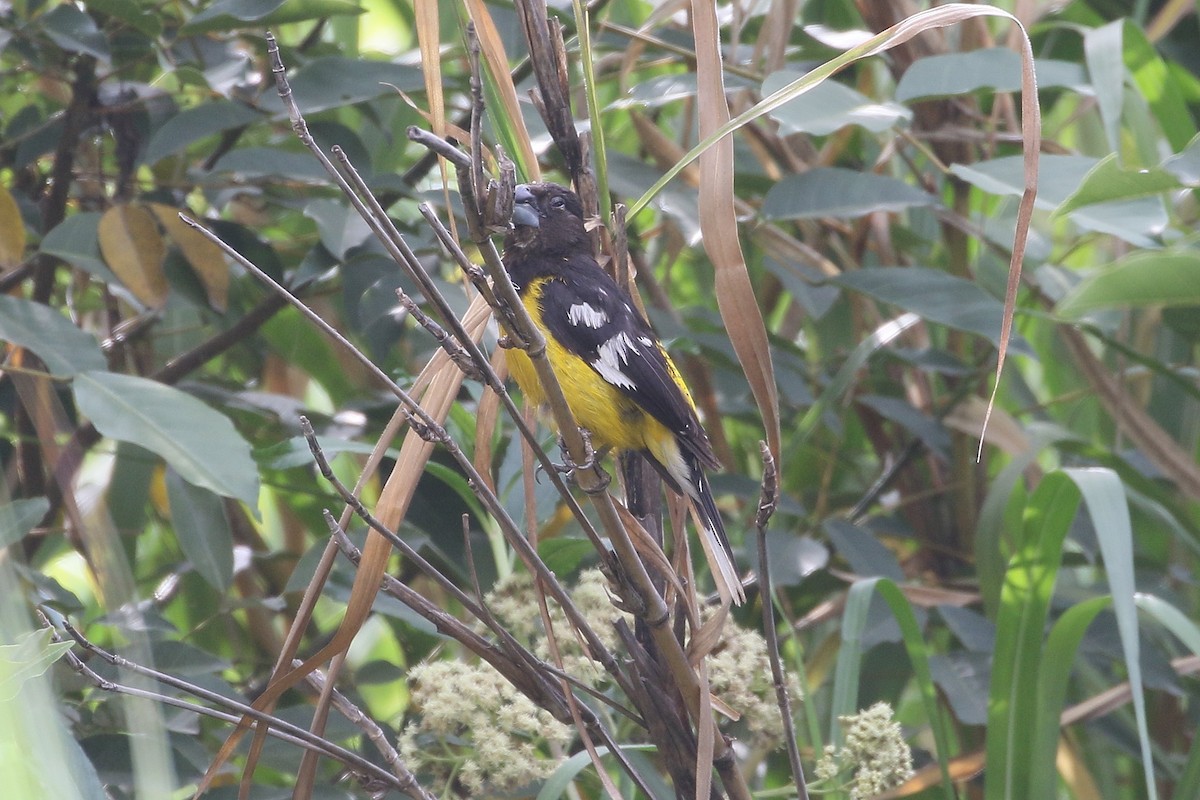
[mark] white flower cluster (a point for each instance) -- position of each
(476, 729)
(875, 750)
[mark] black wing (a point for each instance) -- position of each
(585, 310)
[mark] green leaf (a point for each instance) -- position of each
(31, 655)
(829, 107)
(1024, 607)
(248, 163)
(996, 69)
(199, 443)
(333, 82)
(1135, 221)
(131, 13)
(235, 14)
(849, 663)
(195, 124)
(1102, 49)
(202, 529)
(74, 31)
(1104, 495)
(1107, 181)
(65, 349)
(1143, 278)
(837, 192)
(1185, 165)
(935, 295)
(1158, 86)
(18, 518)
(1058, 660)
(76, 240)
(563, 555)
(565, 773)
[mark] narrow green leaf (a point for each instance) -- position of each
(1102, 50)
(845, 687)
(198, 442)
(1058, 659)
(1104, 495)
(565, 773)
(1143, 278)
(837, 387)
(65, 349)
(1172, 619)
(198, 517)
(1159, 87)
(1024, 606)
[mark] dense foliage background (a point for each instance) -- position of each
(159, 495)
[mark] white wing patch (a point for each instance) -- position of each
(589, 315)
(612, 356)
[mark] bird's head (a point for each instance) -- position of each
(548, 219)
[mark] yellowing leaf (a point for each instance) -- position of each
(134, 249)
(12, 231)
(205, 258)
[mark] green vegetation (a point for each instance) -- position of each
(831, 279)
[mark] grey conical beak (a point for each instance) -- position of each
(525, 212)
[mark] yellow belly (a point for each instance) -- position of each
(612, 418)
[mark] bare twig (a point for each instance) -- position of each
(367, 772)
(768, 502)
(374, 734)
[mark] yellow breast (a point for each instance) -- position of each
(610, 416)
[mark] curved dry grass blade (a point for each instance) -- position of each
(714, 138)
(718, 221)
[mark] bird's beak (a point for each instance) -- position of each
(525, 213)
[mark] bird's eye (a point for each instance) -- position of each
(558, 202)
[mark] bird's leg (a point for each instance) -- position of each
(591, 458)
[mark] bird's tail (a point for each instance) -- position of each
(712, 534)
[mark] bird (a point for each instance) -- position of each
(618, 380)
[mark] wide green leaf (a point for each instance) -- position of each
(997, 69)
(333, 81)
(203, 532)
(76, 240)
(1108, 181)
(73, 30)
(829, 107)
(836, 192)
(1141, 279)
(194, 124)
(64, 348)
(1138, 221)
(18, 518)
(935, 295)
(198, 442)
(233, 14)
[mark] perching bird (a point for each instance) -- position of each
(617, 378)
